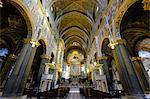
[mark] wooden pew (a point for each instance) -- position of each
(90, 93)
(53, 94)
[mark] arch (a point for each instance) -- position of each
(80, 49)
(68, 44)
(20, 5)
(61, 42)
(70, 27)
(101, 44)
(105, 49)
(134, 27)
(82, 13)
(42, 43)
(74, 37)
(74, 34)
(19, 27)
(8, 40)
(52, 57)
(119, 15)
(84, 18)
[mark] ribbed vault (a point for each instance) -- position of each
(75, 21)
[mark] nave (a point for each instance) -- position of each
(95, 48)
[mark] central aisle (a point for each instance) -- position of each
(74, 93)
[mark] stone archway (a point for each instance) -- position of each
(14, 27)
(134, 28)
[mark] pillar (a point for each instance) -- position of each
(55, 77)
(125, 68)
(141, 73)
(45, 59)
(103, 59)
(16, 83)
(7, 67)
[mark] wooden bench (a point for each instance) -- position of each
(91, 93)
(53, 94)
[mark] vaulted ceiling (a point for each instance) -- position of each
(135, 27)
(76, 21)
(13, 27)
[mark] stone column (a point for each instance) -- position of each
(103, 60)
(141, 73)
(125, 68)
(16, 83)
(55, 77)
(62, 59)
(7, 67)
(45, 59)
(49, 84)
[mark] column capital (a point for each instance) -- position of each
(33, 43)
(45, 56)
(120, 41)
(13, 56)
(26, 40)
(116, 42)
(135, 58)
(102, 58)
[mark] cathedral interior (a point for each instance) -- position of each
(74, 49)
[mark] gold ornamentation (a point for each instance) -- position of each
(34, 43)
(45, 56)
(102, 57)
(146, 4)
(136, 58)
(114, 43)
(27, 40)
(50, 65)
(120, 13)
(13, 56)
(121, 41)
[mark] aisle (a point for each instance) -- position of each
(74, 93)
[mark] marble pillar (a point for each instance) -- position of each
(130, 82)
(141, 73)
(7, 67)
(16, 83)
